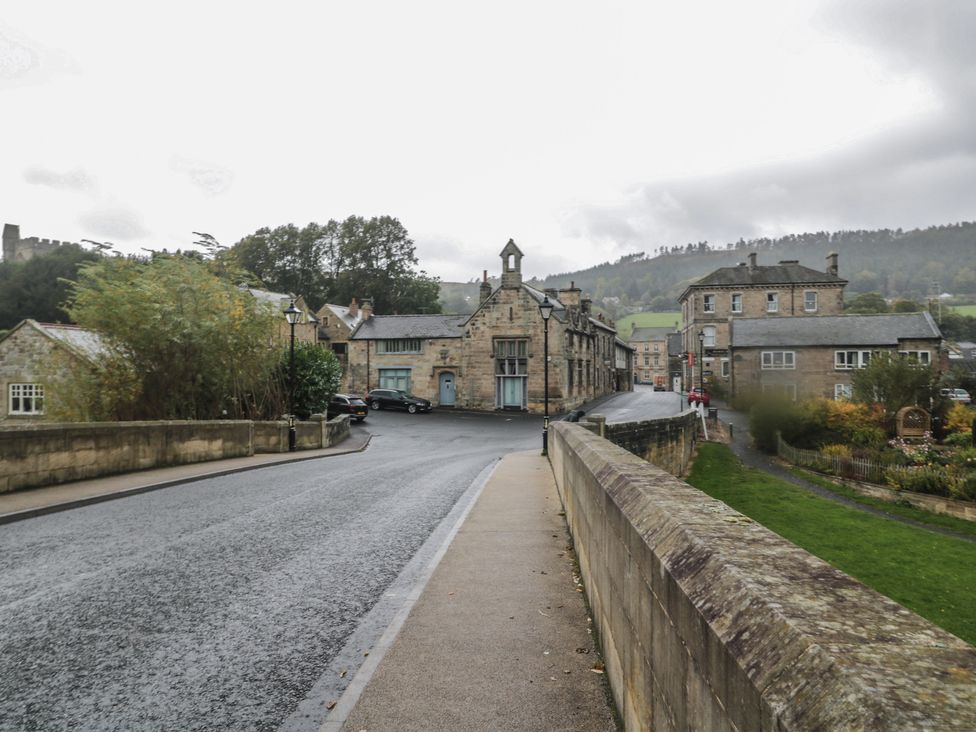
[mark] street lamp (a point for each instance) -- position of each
(545, 309)
(292, 314)
(701, 365)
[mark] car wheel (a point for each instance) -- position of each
(375, 405)
(412, 408)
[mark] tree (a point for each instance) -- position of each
(363, 258)
(181, 342)
(893, 381)
(317, 377)
(867, 303)
(907, 306)
(38, 287)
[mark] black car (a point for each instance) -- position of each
(344, 404)
(396, 399)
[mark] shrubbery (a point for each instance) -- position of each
(813, 424)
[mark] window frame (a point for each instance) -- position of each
(399, 346)
(789, 356)
(843, 392)
(772, 302)
(708, 303)
(927, 361)
(733, 302)
(862, 359)
(816, 301)
(19, 392)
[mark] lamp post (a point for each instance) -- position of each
(701, 365)
(545, 309)
(291, 315)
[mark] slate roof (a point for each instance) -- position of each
(410, 326)
(342, 312)
(558, 309)
(833, 330)
(650, 334)
(675, 347)
(86, 342)
(785, 273)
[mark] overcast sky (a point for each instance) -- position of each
(583, 130)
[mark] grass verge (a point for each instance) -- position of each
(930, 574)
(904, 510)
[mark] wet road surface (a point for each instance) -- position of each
(220, 604)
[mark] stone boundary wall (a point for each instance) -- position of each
(710, 621)
(45, 454)
(925, 501)
(667, 443)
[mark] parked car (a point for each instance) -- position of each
(396, 399)
(659, 387)
(345, 404)
(956, 395)
(696, 395)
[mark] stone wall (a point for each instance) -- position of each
(667, 443)
(45, 454)
(710, 621)
(22, 354)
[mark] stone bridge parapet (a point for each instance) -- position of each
(710, 621)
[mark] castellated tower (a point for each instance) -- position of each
(16, 249)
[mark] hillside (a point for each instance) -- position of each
(910, 264)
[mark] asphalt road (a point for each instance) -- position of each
(235, 602)
(642, 403)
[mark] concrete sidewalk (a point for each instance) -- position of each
(498, 640)
(37, 501)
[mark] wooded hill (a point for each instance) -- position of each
(914, 264)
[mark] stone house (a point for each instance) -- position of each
(651, 355)
(815, 357)
(419, 354)
(28, 353)
(710, 307)
(306, 329)
(337, 323)
(494, 358)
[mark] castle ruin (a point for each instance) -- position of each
(16, 249)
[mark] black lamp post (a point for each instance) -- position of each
(545, 309)
(701, 365)
(292, 314)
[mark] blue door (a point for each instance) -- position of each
(447, 390)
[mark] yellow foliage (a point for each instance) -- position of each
(960, 418)
(836, 451)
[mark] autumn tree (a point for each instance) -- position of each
(181, 342)
(894, 381)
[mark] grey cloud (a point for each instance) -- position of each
(23, 61)
(211, 178)
(72, 180)
(113, 221)
(919, 174)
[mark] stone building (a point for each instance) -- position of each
(16, 249)
(307, 327)
(711, 305)
(31, 354)
(493, 359)
(337, 323)
(651, 355)
(814, 357)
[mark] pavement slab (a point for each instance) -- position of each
(499, 638)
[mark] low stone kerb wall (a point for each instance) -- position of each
(710, 621)
(46, 454)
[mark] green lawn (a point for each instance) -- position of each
(965, 309)
(933, 575)
(647, 320)
(961, 526)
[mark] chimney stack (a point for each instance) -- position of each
(832, 263)
(484, 289)
(367, 309)
(570, 297)
(752, 261)
(353, 309)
